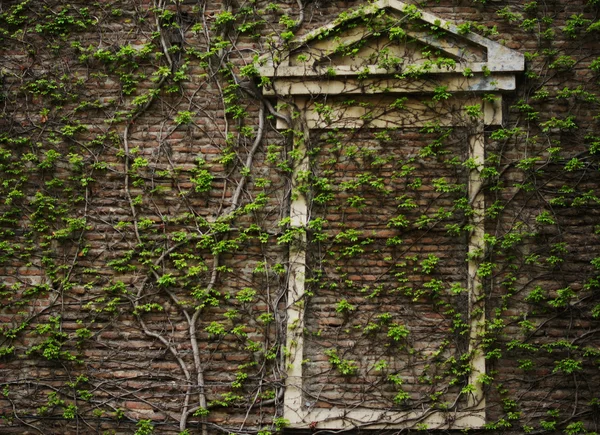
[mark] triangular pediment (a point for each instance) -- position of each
(389, 39)
(383, 51)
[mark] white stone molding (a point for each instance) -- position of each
(482, 67)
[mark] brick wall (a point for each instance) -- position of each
(144, 268)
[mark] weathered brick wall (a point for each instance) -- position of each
(144, 267)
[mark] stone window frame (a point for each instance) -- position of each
(495, 75)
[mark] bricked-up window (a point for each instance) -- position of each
(382, 326)
(387, 272)
(385, 301)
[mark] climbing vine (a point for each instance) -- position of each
(145, 230)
